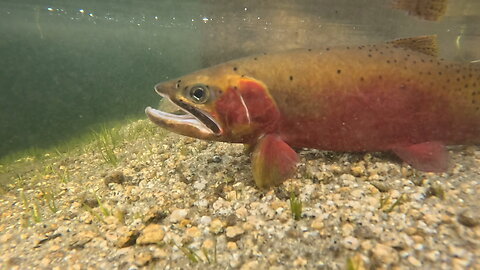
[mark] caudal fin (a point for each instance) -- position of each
(431, 10)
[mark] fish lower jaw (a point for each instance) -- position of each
(184, 124)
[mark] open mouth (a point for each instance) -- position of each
(190, 118)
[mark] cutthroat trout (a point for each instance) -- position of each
(395, 97)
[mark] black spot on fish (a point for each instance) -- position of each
(243, 76)
(348, 47)
(264, 53)
(309, 50)
(429, 73)
(380, 77)
(388, 61)
(179, 81)
(328, 49)
(362, 79)
(291, 78)
(234, 68)
(255, 58)
(339, 71)
(369, 55)
(439, 73)
(466, 85)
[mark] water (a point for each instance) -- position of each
(68, 66)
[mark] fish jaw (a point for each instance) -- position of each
(193, 123)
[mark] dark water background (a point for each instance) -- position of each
(68, 66)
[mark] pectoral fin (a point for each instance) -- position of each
(273, 161)
(428, 156)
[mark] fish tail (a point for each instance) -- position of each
(431, 10)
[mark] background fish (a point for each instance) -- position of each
(431, 10)
(397, 96)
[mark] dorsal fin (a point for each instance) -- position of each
(431, 10)
(424, 44)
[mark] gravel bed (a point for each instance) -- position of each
(179, 203)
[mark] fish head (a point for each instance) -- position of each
(217, 104)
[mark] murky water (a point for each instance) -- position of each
(68, 66)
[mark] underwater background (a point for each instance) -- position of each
(69, 67)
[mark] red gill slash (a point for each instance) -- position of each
(395, 97)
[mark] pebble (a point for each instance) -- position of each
(300, 262)
(317, 223)
(126, 237)
(193, 232)
(469, 218)
(208, 244)
(177, 215)
(234, 232)
(385, 254)
(152, 234)
(232, 245)
(114, 177)
(414, 261)
(216, 226)
(351, 243)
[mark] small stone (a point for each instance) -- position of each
(317, 224)
(208, 244)
(115, 177)
(193, 232)
(233, 233)
(232, 245)
(151, 234)
(385, 254)
(358, 170)
(177, 215)
(154, 215)
(143, 258)
(381, 186)
(417, 239)
(300, 262)
(351, 243)
(231, 220)
(205, 220)
(468, 218)
(414, 261)
(216, 226)
(433, 256)
(431, 219)
(278, 204)
(241, 212)
(127, 238)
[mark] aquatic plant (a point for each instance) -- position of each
(30, 207)
(49, 198)
(385, 201)
(194, 258)
(106, 141)
(295, 206)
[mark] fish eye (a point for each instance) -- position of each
(199, 93)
